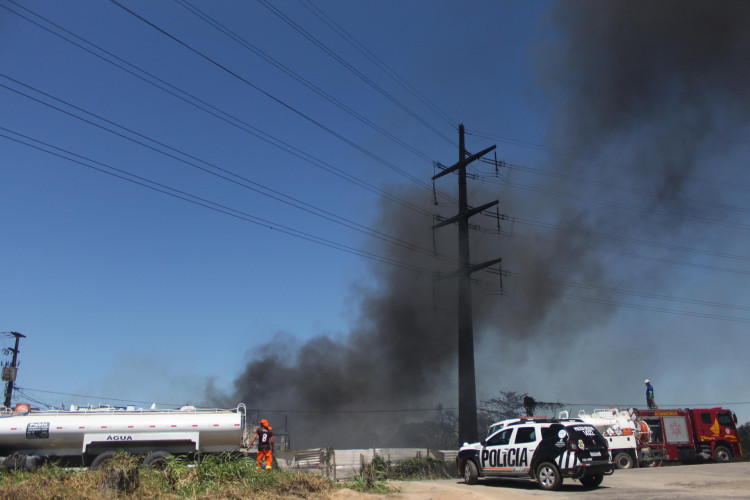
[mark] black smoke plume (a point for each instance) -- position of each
(658, 85)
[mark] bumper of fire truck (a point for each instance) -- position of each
(652, 454)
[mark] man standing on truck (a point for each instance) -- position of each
(265, 443)
(650, 395)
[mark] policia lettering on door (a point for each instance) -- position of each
(510, 457)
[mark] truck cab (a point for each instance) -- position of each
(716, 433)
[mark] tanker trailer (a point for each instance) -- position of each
(91, 436)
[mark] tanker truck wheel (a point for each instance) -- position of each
(33, 462)
(15, 462)
(157, 460)
(101, 460)
(624, 460)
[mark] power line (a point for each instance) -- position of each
(661, 406)
(212, 110)
(626, 239)
(101, 398)
(645, 257)
(635, 208)
(352, 40)
(155, 186)
(622, 291)
(642, 307)
(274, 62)
(379, 410)
(619, 205)
(291, 108)
(526, 277)
(615, 187)
(246, 183)
(351, 68)
(561, 151)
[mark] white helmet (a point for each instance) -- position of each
(647, 381)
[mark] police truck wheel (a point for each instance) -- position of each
(624, 460)
(592, 481)
(722, 454)
(101, 460)
(157, 460)
(548, 476)
(471, 474)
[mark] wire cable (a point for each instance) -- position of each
(643, 257)
(634, 208)
(561, 151)
(626, 239)
(599, 300)
(296, 76)
(212, 110)
(245, 182)
(613, 187)
(155, 186)
(286, 105)
(100, 398)
(318, 12)
(351, 68)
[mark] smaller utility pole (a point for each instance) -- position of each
(9, 372)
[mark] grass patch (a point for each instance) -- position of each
(374, 477)
(222, 476)
(415, 468)
(214, 477)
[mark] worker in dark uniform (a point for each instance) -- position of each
(265, 444)
(650, 395)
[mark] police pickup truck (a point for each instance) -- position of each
(545, 450)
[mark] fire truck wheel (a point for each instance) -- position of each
(722, 454)
(470, 472)
(101, 460)
(157, 460)
(592, 481)
(548, 476)
(624, 460)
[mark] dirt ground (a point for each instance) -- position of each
(716, 481)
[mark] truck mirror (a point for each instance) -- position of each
(734, 416)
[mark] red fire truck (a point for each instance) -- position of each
(687, 435)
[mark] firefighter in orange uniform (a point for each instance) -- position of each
(265, 443)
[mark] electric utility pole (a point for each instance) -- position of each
(9, 372)
(467, 392)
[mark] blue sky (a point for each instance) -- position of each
(129, 294)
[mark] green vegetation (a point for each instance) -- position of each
(373, 477)
(744, 432)
(214, 477)
(416, 468)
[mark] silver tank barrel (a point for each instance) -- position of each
(62, 433)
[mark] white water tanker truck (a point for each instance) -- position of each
(91, 436)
